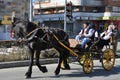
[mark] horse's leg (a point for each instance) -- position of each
(65, 64)
(42, 68)
(61, 58)
(28, 74)
(65, 61)
(57, 71)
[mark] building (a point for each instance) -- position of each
(51, 13)
(113, 5)
(7, 7)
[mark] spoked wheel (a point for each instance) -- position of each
(88, 65)
(82, 59)
(108, 59)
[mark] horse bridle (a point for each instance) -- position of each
(42, 39)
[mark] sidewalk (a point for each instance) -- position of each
(26, 63)
(118, 49)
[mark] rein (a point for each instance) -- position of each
(72, 52)
(42, 38)
(32, 32)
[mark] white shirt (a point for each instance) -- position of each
(107, 34)
(89, 33)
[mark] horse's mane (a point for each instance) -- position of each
(32, 27)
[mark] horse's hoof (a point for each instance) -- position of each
(44, 69)
(57, 72)
(65, 67)
(28, 75)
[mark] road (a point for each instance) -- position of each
(76, 73)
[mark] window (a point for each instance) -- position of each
(8, 3)
(116, 9)
(42, 0)
(46, 0)
(52, 11)
(115, 0)
(1, 2)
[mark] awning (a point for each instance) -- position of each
(109, 18)
(6, 22)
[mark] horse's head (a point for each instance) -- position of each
(22, 29)
(19, 30)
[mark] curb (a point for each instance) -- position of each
(26, 63)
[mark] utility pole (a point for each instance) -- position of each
(84, 5)
(26, 16)
(65, 28)
(31, 11)
(40, 20)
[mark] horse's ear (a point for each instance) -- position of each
(14, 19)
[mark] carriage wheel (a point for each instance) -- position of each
(88, 66)
(82, 59)
(108, 59)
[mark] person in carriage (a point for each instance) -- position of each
(83, 31)
(86, 35)
(105, 37)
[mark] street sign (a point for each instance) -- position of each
(7, 20)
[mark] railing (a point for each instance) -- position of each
(93, 2)
(48, 17)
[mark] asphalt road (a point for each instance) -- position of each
(118, 48)
(76, 73)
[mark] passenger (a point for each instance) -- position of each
(91, 36)
(105, 37)
(84, 31)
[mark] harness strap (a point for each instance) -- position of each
(32, 32)
(41, 39)
(72, 52)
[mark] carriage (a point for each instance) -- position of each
(85, 57)
(92, 51)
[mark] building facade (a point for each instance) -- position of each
(51, 12)
(7, 7)
(18, 6)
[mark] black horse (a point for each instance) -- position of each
(39, 39)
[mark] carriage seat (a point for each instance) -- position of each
(73, 43)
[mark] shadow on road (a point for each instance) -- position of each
(96, 72)
(99, 71)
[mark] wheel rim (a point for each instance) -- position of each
(88, 66)
(82, 59)
(108, 59)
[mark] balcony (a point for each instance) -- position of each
(76, 15)
(56, 3)
(61, 3)
(92, 2)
